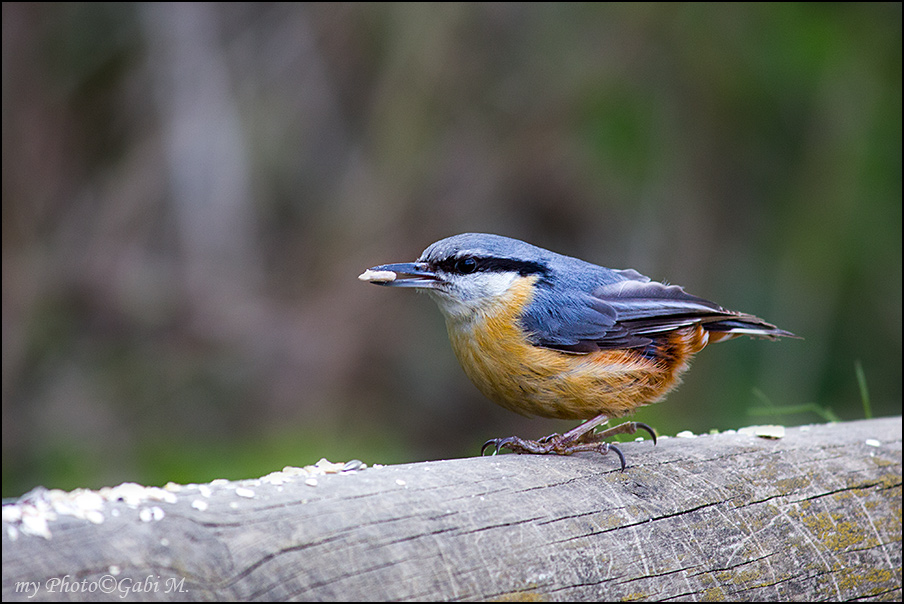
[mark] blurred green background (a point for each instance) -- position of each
(190, 191)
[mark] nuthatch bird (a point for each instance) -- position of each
(544, 334)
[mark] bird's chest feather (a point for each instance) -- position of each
(494, 351)
(497, 356)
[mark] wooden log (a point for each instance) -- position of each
(814, 515)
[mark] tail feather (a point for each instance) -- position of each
(723, 322)
(743, 325)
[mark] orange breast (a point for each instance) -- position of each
(531, 380)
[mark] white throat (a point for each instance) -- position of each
(467, 296)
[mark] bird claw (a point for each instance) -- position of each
(572, 442)
(495, 442)
(618, 452)
(646, 428)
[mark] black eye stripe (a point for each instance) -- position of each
(464, 265)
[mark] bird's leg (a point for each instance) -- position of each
(582, 438)
(625, 428)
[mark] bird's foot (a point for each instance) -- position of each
(582, 438)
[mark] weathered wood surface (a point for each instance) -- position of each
(815, 515)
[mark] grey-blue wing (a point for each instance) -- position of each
(629, 313)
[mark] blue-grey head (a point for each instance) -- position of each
(469, 272)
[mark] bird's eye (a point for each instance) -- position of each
(466, 265)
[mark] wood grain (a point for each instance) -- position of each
(813, 515)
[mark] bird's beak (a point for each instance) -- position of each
(404, 274)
